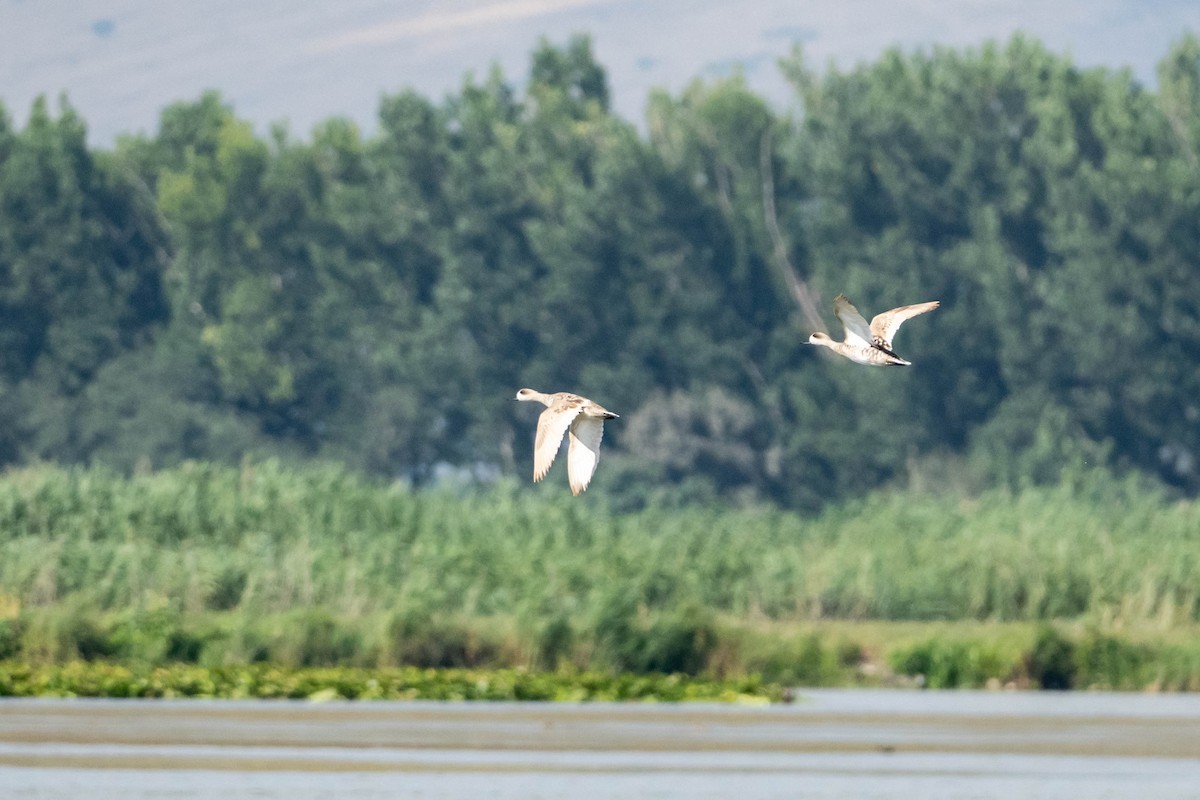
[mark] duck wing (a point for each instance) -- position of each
(885, 325)
(858, 332)
(552, 424)
(583, 453)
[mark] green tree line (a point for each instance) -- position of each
(206, 292)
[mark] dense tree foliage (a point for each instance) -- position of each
(208, 293)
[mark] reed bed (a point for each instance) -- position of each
(314, 566)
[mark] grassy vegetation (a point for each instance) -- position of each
(92, 679)
(1093, 583)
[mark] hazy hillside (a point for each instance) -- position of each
(121, 61)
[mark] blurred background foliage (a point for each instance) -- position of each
(208, 293)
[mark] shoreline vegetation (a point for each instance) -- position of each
(959, 656)
(287, 581)
(321, 684)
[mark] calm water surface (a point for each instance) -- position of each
(829, 744)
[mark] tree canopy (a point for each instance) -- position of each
(209, 293)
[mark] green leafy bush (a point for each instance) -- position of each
(951, 664)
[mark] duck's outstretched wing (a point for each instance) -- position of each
(885, 325)
(584, 451)
(858, 332)
(552, 424)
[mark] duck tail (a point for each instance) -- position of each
(885, 349)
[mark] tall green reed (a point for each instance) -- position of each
(268, 539)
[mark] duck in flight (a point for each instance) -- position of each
(869, 344)
(583, 423)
